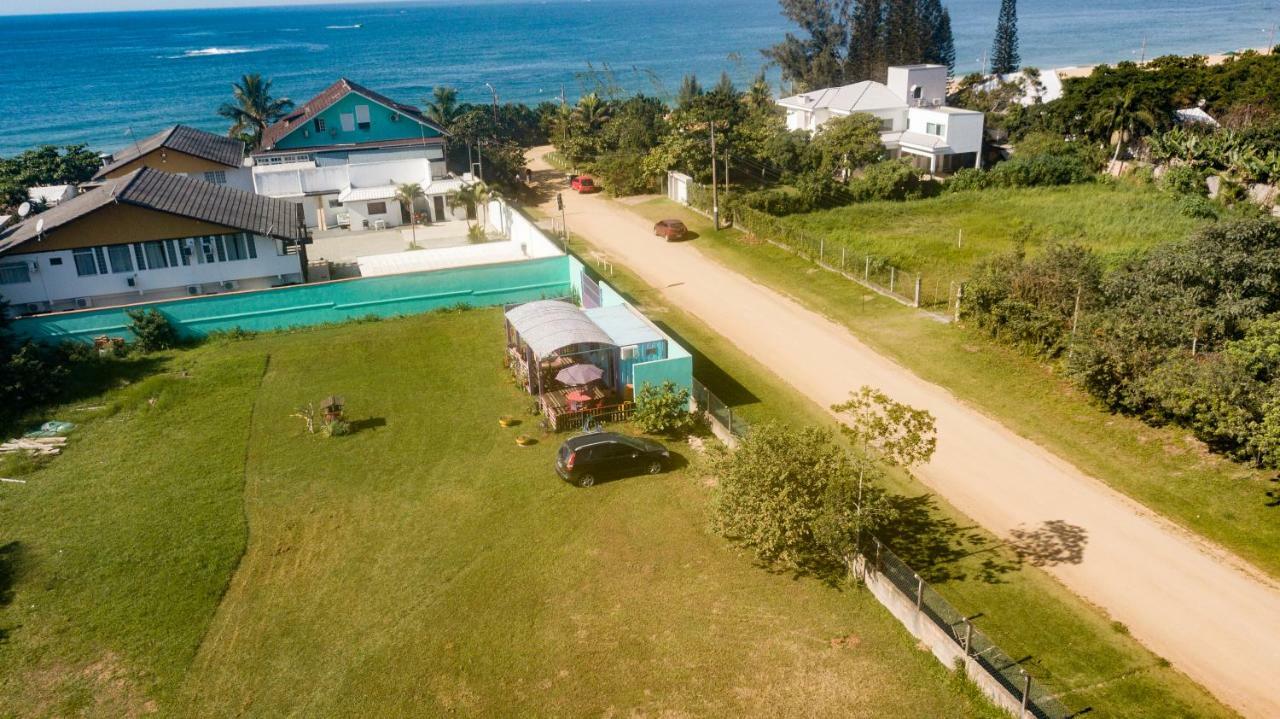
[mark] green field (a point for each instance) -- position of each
(195, 553)
(1067, 642)
(941, 238)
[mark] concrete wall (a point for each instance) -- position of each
(320, 303)
(930, 79)
(520, 230)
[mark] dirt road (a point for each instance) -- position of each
(1206, 611)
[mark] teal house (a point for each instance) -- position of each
(348, 118)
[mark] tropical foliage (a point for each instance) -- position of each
(253, 109)
(44, 165)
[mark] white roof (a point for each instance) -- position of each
(921, 140)
(548, 326)
(1195, 114)
(862, 96)
(51, 193)
(364, 194)
(440, 187)
(624, 325)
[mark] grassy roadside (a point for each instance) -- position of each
(1070, 643)
(1163, 468)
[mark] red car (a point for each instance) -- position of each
(584, 185)
(673, 230)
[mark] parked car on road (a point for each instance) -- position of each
(584, 184)
(589, 458)
(673, 230)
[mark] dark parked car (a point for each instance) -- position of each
(588, 458)
(673, 230)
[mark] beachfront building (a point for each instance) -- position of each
(343, 154)
(915, 121)
(183, 150)
(51, 195)
(149, 235)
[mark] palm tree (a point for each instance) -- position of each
(1122, 117)
(408, 194)
(442, 106)
(591, 112)
(470, 197)
(254, 108)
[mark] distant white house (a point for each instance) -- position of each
(915, 121)
(1195, 116)
(51, 195)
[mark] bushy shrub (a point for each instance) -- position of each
(889, 180)
(30, 375)
(969, 178)
(623, 174)
(663, 409)
(777, 202)
(152, 329)
(1184, 180)
(1198, 207)
(1040, 171)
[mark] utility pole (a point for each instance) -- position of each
(715, 194)
(563, 227)
(495, 103)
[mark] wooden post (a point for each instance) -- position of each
(843, 251)
(893, 275)
(866, 273)
(959, 296)
(1026, 692)
(917, 290)
(919, 593)
(968, 637)
(822, 249)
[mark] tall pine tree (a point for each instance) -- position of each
(865, 58)
(1004, 52)
(906, 36)
(942, 46)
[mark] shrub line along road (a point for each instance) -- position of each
(1208, 612)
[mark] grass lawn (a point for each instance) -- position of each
(1071, 643)
(195, 553)
(1164, 468)
(920, 237)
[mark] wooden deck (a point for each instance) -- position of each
(602, 405)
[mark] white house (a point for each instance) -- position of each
(186, 151)
(149, 235)
(915, 121)
(51, 195)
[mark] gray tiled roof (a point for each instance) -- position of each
(174, 194)
(180, 138)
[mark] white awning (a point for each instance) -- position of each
(364, 194)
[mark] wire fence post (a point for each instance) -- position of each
(959, 296)
(893, 275)
(968, 637)
(1026, 692)
(843, 252)
(822, 249)
(919, 593)
(866, 273)
(917, 290)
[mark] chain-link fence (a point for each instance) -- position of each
(1036, 697)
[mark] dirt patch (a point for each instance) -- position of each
(104, 687)
(850, 642)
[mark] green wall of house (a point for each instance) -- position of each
(381, 126)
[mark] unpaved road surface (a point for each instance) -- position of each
(1209, 613)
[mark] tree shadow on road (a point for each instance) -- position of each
(939, 549)
(1054, 542)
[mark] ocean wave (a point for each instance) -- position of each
(344, 27)
(215, 51)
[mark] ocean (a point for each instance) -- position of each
(93, 78)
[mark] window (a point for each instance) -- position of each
(137, 253)
(217, 177)
(363, 120)
(348, 122)
(377, 208)
(14, 273)
(207, 251)
(335, 204)
(101, 257)
(55, 261)
(85, 264)
(120, 259)
(154, 251)
(236, 249)
(917, 92)
(886, 124)
(934, 128)
(319, 124)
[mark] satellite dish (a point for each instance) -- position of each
(24, 209)
(40, 226)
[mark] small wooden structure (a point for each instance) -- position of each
(332, 407)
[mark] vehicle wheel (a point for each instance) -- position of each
(586, 480)
(655, 467)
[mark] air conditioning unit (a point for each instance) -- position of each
(131, 281)
(230, 284)
(31, 308)
(193, 289)
(937, 102)
(83, 302)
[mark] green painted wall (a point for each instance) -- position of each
(381, 127)
(320, 303)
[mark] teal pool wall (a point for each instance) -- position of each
(327, 302)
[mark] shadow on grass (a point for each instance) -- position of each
(83, 380)
(941, 550)
(1274, 494)
(369, 423)
(10, 559)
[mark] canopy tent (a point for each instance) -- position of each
(548, 326)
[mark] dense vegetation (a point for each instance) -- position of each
(1186, 332)
(44, 165)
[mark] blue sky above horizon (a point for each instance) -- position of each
(53, 7)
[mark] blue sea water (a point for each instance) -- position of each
(92, 77)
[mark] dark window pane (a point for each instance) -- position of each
(85, 264)
(120, 259)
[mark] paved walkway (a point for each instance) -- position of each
(1207, 612)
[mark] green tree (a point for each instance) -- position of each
(772, 489)
(1123, 118)
(848, 143)
(866, 55)
(1004, 50)
(254, 109)
(442, 106)
(816, 58)
(470, 198)
(44, 165)
(408, 195)
(690, 91)
(663, 409)
(941, 48)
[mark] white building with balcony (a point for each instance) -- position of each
(915, 121)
